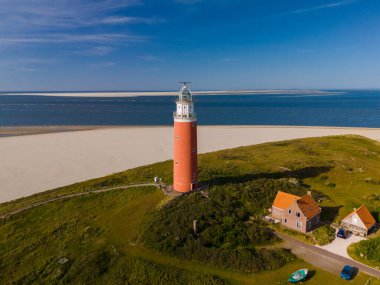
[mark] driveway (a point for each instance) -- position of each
(321, 258)
(339, 245)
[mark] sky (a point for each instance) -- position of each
(114, 45)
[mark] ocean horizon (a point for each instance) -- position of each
(335, 108)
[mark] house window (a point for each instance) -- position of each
(299, 224)
(289, 211)
(285, 221)
(298, 214)
(317, 220)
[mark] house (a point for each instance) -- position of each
(359, 222)
(298, 213)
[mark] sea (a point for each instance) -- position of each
(341, 108)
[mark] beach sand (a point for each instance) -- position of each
(33, 163)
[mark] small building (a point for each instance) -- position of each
(298, 213)
(359, 222)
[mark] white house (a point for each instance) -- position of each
(360, 221)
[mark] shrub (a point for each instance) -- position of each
(324, 235)
(226, 235)
(369, 249)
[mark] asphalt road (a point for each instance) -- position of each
(322, 258)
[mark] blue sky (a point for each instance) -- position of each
(216, 44)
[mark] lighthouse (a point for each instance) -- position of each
(185, 162)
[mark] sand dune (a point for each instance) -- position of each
(34, 163)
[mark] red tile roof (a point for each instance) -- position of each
(308, 206)
(284, 200)
(364, 215)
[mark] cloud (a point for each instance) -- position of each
(150, 58)
(129, 20)
(230, 59)
(27, 69)
(71, 38)
(28, 62)
(320, 7)
(50, 15)
(97, 50)
(45, 22)
(102, 64)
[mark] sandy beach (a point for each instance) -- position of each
(32, 163)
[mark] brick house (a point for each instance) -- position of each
(359, 222)
(298, 213)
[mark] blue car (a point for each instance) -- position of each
(342, 233)
(347, 272)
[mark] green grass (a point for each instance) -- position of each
(324, 235)
(367, 251)
(320, 236)
(230, 235)
(97, 233)
(307, 238)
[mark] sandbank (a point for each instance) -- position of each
(33, 163)
(174, 93)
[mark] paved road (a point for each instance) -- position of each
(9, 214)
(322, 258)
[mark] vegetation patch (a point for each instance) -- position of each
(229, 226)
(293, 233)
(366, 251)
(96, 237)
(324, 235)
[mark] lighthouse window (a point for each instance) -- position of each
(176, 163)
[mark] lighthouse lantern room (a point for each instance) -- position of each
(185, 143)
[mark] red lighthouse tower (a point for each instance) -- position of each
(185, 143)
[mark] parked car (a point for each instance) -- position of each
(342, 233)
(347, 272)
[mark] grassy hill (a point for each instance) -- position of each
(140, 236)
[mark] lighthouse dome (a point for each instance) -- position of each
(185, 94)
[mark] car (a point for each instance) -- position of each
(342, 233)
(347, 272)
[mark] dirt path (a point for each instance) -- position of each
(322, 258)
(7, 215)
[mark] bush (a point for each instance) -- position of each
(369, 249)
(324, 235)
(229, 226)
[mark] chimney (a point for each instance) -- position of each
(309, 193)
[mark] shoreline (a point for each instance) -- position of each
(35, 163)
(12, 131)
